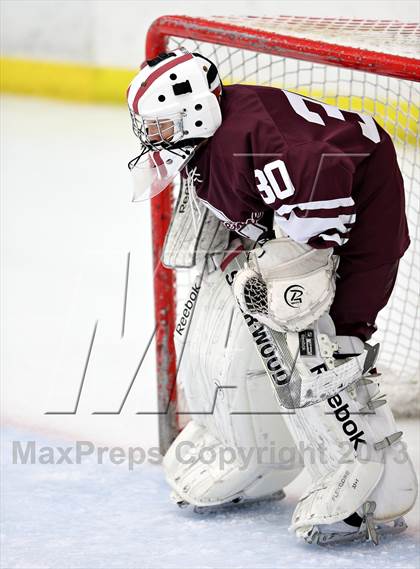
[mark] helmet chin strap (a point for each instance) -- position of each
(180, 149)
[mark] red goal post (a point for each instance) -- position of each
(308, 55)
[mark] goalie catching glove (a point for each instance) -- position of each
(286, 285)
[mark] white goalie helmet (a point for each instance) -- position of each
(174, 105)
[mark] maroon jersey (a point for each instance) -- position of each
(308, 163)
(329, 178)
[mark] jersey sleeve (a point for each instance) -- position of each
(310, 190)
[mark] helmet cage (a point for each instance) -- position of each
(170, 133)
(153, 131)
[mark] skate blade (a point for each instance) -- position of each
(314, 536)
(236, 502)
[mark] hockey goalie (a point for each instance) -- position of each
(292, 213)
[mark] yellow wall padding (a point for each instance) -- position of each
(68, 81)
(88, 83)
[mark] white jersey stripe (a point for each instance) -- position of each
(301, 229)
(335, 237)
(324, 204)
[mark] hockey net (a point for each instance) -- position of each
(359, 65)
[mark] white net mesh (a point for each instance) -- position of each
(385, 36)
(395, 105)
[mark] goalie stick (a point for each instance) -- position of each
(293, 389)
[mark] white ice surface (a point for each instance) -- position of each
(67, 226)
(94, 516)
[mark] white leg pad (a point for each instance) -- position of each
(360, 458)
(233, 408)
(203, 472)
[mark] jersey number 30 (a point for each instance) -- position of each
(268, 185)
